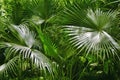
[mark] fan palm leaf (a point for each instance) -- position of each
(23, 47)
(88, 32)
(36, 56)
(44, 8)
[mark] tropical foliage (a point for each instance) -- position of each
(59, 39)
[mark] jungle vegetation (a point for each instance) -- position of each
(59, 39)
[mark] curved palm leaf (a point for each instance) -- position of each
(23, 46)
(36, 56)
(9, 67)
(24, 34)
(91, 35)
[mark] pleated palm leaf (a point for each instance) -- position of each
(87, 31)
(20, 43)
(17, 11)
(44, 9)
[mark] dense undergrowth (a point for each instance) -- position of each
(59, 39)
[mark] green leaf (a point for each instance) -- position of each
(106, 67)
(91, 35)
(47, 44)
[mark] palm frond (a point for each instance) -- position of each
(91, 35)
(74, 11)
(18, 11)
(98, 19)
(26, 34)
(41, 60)
(22, 34)
(98, 43)
(37, 57)
(9, 67)
(44, 8)
(21, 42)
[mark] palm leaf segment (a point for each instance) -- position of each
(24, 35)
(91, 34)
(24, 48)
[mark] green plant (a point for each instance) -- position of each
(59, 39)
